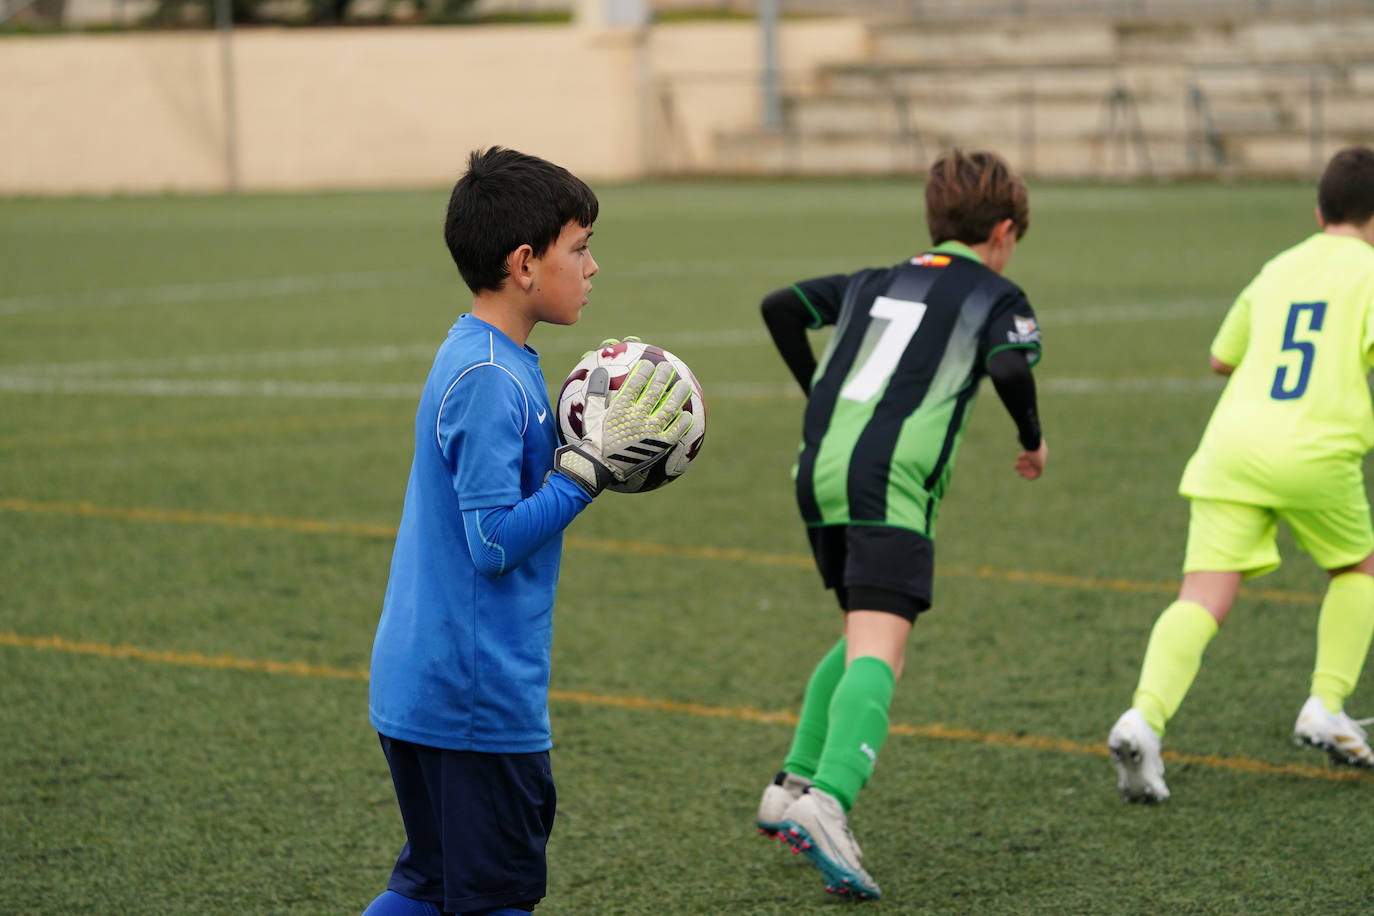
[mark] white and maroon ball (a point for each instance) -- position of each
(618, 359)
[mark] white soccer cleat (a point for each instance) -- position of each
(1139, 767)
(777, 798)
(815, 825)
(1334, 732)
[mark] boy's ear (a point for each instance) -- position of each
(520, 267)
(1001, 230)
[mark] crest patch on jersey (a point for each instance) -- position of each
(931, 260)
(1027, 331)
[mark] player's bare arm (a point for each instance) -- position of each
(1219, 367)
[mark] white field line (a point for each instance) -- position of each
(1139, 312)
(1138, 385)
(222, 388)
(263, 287)
(187, 293)
(303, 284)
(354, 356)
(260, 287)
(266, 359)
(409, 391)
(563, 343)
(85, 377)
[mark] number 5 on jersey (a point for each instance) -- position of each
(903, 317)
(1307, 348)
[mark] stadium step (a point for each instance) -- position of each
(1122, 97)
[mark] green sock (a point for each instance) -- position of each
(1344, 628)
(1172, 660)
(858, 727)
(809, 737)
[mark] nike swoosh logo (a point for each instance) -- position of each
(540, 415)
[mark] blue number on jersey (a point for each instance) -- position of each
(1305, 347)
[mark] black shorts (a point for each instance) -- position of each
(876, 567)
(476, 826)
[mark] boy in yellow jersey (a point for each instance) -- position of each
(1286, 442)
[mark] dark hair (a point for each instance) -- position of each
(1346, 193)
(970, 193)
(507, 199)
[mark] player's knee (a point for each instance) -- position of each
(1365, 566)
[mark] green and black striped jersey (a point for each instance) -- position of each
(891, 395)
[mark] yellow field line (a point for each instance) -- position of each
(190, 659)
(188, 517)
(606, 545)
(739, 713)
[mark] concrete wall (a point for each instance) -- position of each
(377, 107)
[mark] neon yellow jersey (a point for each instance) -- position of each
(1293, 424)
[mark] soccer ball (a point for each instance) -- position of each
(618, 358)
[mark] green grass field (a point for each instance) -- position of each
(205, 415)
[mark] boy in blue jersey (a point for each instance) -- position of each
(887, 405)
(1286, 442)
(460, 663)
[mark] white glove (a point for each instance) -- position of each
(629, 431)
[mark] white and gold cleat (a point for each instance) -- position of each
(1342, 737)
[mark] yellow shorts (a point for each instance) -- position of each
(1239, 537)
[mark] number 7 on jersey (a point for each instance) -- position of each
(903, 317)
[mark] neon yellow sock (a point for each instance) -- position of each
(1344, 628)
(1172, 659)
(814, 720)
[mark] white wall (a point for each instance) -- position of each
(372, 107)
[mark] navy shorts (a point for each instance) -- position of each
(477, 826)
(875, 567)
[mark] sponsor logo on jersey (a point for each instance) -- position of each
(1027, 331)
(931, 260)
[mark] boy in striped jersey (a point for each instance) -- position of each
(1286, 441)
(886, 409)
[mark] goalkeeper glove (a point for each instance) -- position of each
(627, 432)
